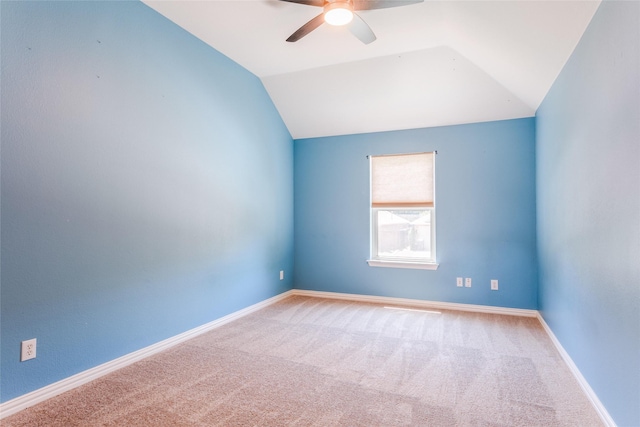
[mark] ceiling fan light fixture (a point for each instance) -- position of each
(338, 14)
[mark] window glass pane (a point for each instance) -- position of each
(404, 234)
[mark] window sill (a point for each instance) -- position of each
(402, 264)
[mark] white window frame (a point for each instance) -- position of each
(402, 262)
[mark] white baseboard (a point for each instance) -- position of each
(10, 407)
(22, 402)
(419, 303)
(591, 395)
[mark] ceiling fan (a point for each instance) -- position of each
(343, 12)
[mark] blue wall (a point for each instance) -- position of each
(588, 184)
(485, 202)
(147, 185)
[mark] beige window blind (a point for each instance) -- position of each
(402, 180)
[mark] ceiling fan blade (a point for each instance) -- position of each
(361, 30)
(380, 4)
(307, 28)
(318, 3)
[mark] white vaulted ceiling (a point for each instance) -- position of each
(433, 63)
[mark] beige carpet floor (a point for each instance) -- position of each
(317, 362)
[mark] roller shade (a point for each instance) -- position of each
(402, 180)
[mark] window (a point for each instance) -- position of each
(403, 211)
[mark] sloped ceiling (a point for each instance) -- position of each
(434, 63)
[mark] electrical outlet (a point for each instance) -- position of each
(459, 282)
(494, 285)
(281, 274)
(28, 350)
(467, 282)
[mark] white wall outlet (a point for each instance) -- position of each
(459, 282)
(28, 350)
(281, 274)
(494, 285)
(467, 282)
